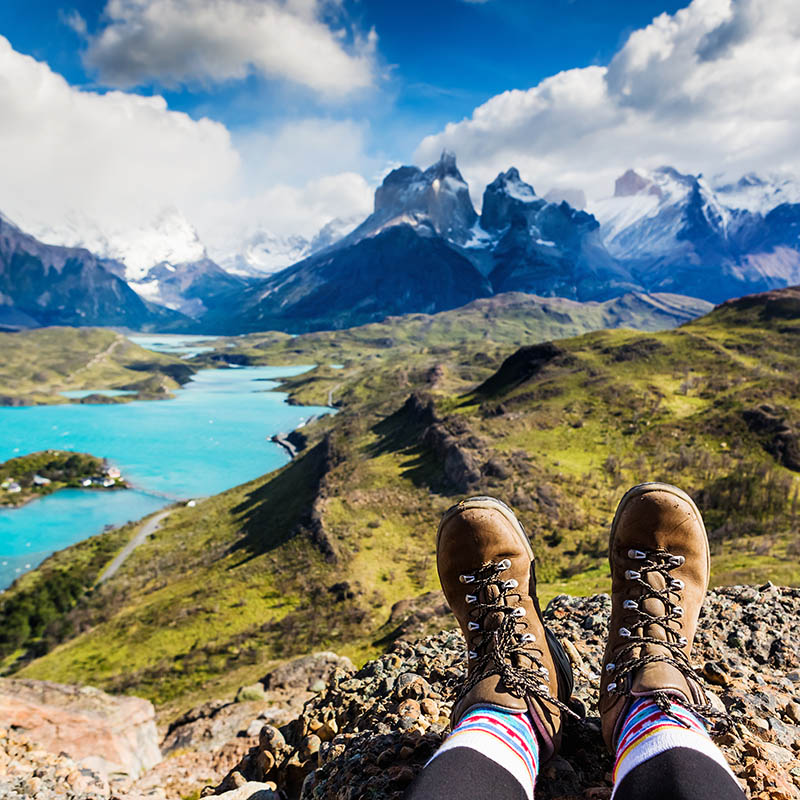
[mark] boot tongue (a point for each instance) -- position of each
(660, 677)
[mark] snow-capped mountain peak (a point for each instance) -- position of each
(758, 194)
(169, 237)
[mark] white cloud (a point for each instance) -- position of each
(284, 210)
(173, 42)
(109, 156)
(709, 89)
(89, 165)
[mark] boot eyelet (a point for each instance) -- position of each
(543, 687)
(526, 638)
(471, 598)
(678, 611)
(683, 641)
(677, 561)
(472, 655)
(631, 605)
(511, 583)
(505, 564)
(545, 672)
(473, 626)
(611, 687)
(632, 575)
(519, 612)
(467, 578)
(637, 555)
(611, 666)
(624, 632)
(677, 583)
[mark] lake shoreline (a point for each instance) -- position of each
(201, 443)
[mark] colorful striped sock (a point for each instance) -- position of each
(648, 731)
(507, 738)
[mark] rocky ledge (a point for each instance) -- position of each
(368, 733)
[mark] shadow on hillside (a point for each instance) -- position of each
(401, 434)
(276, 511)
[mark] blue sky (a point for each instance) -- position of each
(439, 59)
(234, 120)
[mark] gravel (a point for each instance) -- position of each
(368, 734)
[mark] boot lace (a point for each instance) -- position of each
(501, 650)
(671, 650)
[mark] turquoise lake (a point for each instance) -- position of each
(214, 435)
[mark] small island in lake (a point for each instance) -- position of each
(25, 478)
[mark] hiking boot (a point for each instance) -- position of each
(658, 552)
(486, 569)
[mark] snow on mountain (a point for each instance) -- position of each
(258, 251)
(651, 209)
(169, 238)
(759, 194)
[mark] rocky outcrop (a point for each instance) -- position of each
(113, 736)
(369, 734)
(521, 366)
(778, 436)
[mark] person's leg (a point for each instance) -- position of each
(490, 753)
(662, 756)
(512, 701)
(652, 705)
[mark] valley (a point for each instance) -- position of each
(316, 554)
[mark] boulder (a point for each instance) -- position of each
(111, 735)
(303, 673)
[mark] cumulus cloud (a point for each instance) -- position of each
(708, 89)
(110, 156)
(174, 42)
(79, 163)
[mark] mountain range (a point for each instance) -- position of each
(424, 249)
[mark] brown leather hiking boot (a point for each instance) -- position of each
(660, 562)
(486, 570)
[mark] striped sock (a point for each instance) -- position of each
(507, 738)
(648, 731)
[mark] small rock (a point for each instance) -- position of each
(409, 708)
(715, 674)
(430, 708)
(412, 686)
(251, 789)
(792, 711)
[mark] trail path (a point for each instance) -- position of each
(101, 355)
(330, 393)
(151, 526)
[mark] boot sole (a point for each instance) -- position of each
(644, 488)
(561, 661)
(488, 503)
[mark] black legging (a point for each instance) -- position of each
(676, 774)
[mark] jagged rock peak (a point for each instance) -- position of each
(446, 165)
(511, 182)
(438, 197)
(507, 196)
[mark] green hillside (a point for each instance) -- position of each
(314, 555)
(36, 365)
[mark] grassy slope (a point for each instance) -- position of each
(228, 586)
(491, 326)
(36, 365)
